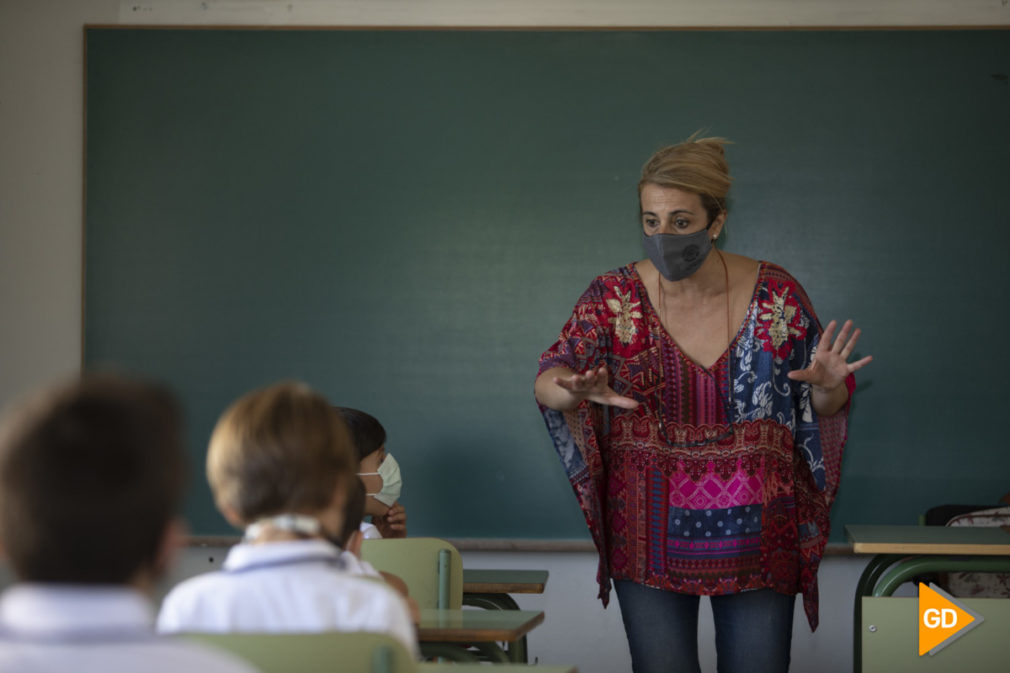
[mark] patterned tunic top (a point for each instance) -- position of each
(721, 479)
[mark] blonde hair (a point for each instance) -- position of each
(279, 449)
(697, 165)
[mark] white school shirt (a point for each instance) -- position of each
(369, 531)
(94, 629)
(298, 585)
(357, 566)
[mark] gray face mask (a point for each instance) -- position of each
(677, 256)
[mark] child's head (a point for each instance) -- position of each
(280, 450)
(91, 474)
(378, 470)
(367, 433)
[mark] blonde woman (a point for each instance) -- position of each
(700, 412)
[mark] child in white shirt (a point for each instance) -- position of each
(279, 464)
(91, 475)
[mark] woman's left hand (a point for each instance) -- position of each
(830, 365)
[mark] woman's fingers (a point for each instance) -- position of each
(622, 402)
(859, 364)
(851, 343)
(829, 332)
(843, 337)
(594, 385)
(586, 382)
(799, 375)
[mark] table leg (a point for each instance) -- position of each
(490, 601)
(909, 568)
(448, 651)
(517, 651)
(874, 569)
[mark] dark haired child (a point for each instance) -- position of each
(91, 475)
(380, 473)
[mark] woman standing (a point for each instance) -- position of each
(700, 413)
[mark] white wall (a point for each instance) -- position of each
(41, 225)
(578, 631)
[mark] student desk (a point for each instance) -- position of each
(448, 632)
(491, 589)
(885, 629)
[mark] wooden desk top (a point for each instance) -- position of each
(955, 540)
(470, 626)
(478, 581)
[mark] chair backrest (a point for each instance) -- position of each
(323, 652)
(432, 568)
(985, 518)
(980, 585)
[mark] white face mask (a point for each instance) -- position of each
(389, 471)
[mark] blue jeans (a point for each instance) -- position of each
(753, 630)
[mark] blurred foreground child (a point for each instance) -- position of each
(90, 478)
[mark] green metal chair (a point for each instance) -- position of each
(433, 571)
(432, 568)
(324, 652)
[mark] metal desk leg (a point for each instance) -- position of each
(490, 601)
(449, 651)
(867, 581)
(930, 564)
(517, 651)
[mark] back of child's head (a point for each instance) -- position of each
(91, 474)
(354, 510)
(367, 433)
(277, 450)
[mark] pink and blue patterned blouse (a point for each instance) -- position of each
(722, 478)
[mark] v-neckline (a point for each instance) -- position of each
(654, 317)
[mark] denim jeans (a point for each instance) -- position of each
(753, 630)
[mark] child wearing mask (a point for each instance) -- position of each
(91, 475)
(380, 473)
(279, 465)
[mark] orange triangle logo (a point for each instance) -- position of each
(941, 620)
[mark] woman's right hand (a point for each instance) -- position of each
(592, 385)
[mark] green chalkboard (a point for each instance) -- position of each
(404, 219)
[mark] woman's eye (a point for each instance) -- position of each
(682, 224)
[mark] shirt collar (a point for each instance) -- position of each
(65, 609)
(244, 555)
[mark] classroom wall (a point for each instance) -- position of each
(41, 225)
(578, 631)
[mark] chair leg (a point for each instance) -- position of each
(447, 651)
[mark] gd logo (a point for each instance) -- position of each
(941, 620)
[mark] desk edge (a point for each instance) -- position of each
(498, 545)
